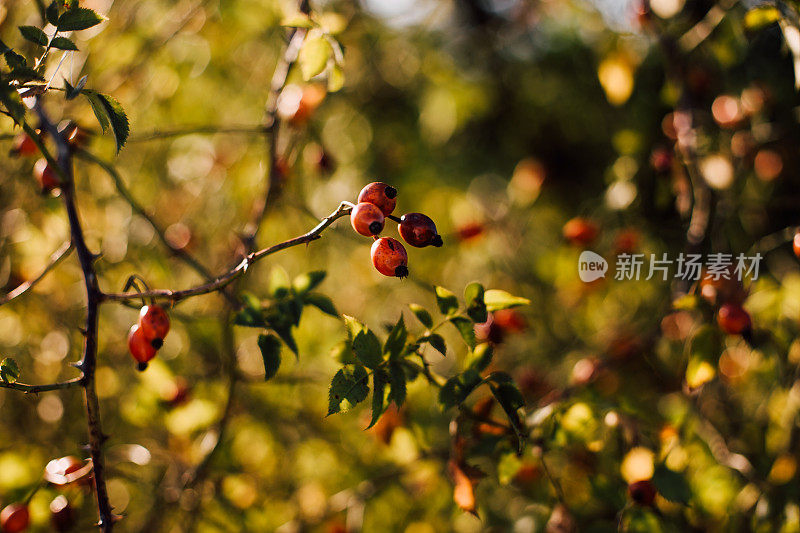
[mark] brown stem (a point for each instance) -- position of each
(35, 389)
(94, 296)
(239, 270)
(56, 258)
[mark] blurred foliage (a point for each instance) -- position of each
(500, 120)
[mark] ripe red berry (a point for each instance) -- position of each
(140, 347)
(15, 518)
(642, 492)
(367, 219)
(45, 176)
(418, 230)
(390, 257)
(23, 146)
(62, 514)
(154, 324)
(796, 244)
(580, 231)
(733, 319)
(382, 195)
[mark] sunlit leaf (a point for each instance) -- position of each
(349, 387)
(79, 18)
(422, 315)
(270, 348)
(9, 370)
(314, 56)
(496, 300)
(446, 300)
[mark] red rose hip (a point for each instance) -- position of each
(154, 324)
(15, 518)
(23, 145)
(642, 492)
(418, 230)
(140, 347)
(580, 231)
(390, 257)
(733, 319)
(796, 244)
(382, 195)
(367, 219)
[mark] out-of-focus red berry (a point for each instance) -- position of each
(15, 518)
(642, 492)
(733, 319)
(580, 231)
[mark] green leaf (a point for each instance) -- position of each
(109, 112)
(349, 387)
(761, 17)
(396, 340)
(435, 340)
(34, 35)
(62, 43)
(271, 353)
(321, 302)
(473, 298)
(397, 382)
(79, 18)
(379, 404)
(297, 20)
(279, 282)
(457, 388)
(422, 315)
(496, 300)
(9, 370)
(11, 100)
(71, 92)
(23, 74)
(14, 60)
(510, 399)
(480, 357)
(335, 79)
(446, 300)
(313, 56)
(285, 333)
(308, 281)
(367, 348)
(465, 328)
(671, 485)
(52, 13)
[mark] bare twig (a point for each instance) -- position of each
(239, 270)
(34, 389)
(94, 298)
(203, 129)
(58, 256)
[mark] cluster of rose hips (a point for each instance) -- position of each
(45, 176)
(147, 336)
(375, 204)
(61, 472)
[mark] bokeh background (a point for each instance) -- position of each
(500, 119)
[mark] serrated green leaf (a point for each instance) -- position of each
(367, 348)
(481, 357)
(465, 327)
(446, 300)
(349, 387)
(435, 340)
(79, 18)
(308, 281)
(62, 43)
(249, 319)
(313, 56)
(321, 302)
(379, 404)
(396, 340)
(270, 348)
(496, 300)
(397, 384)
(422, 315)
(671, 485)
(458, 388)
(24, 74)
(52, 13)
(14, 60)
(109, 112)
(9, 370)
(297, 20)
(34, 35)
